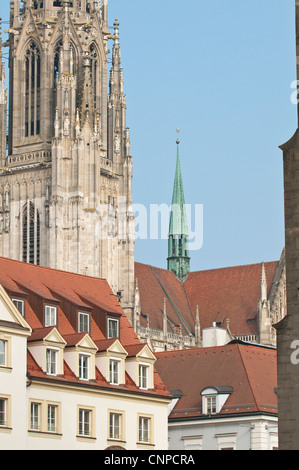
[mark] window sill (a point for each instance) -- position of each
(86, 438)
(5, 369)
(5, 429)
(51, 435)
(145, 445)
(110, 439)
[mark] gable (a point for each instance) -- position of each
(54, 337)
(9, 312)
(86, 343)
(146, 354)
(116, 347)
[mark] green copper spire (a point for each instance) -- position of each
(178, 239)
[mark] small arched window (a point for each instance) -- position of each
(32, 91)
(31, 234)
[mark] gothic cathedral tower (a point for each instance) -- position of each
(66, 182)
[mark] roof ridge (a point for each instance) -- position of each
(46, 268)
(211, 269)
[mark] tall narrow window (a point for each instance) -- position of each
(2, 412)
(94, 67)
(2, 353)
(35, 417)
(31, 234)
(32, 91)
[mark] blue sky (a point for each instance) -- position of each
(221, 72)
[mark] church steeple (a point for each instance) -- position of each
(178, 238)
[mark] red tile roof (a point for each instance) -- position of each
(82, 291)
(228, 293)
(44, 282)
(249, 370)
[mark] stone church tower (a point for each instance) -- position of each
(288, 327)
(66, 180)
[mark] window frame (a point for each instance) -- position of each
(56, 422)
(211, 404)
(142, 430)
(3, 413)
(114, 320)
(22, 302)
(84, 371)
(143, 378)
(113, 436)
(54, 351)
(83, 423)
(116, 372)
(52, 307)
(83, 411)
(3, 354)
(37, 406)
(86, 315)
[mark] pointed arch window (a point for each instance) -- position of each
(32, 91)
(31, 234)
(94, 70)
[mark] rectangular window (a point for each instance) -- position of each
(50, 315)
(51, 361)
(35, 417)
(114, 371)
(144, 429)
(83, 366)
(83, 322)
(52, 418)
(115, 426)
(211, 405)
(3, 412)
(84, 422)
(20, 304)
(113, 328)
(2, 353)
(143, 376)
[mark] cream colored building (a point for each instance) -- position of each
(80, 383)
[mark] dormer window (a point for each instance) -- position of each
(20, 304)
(84, 366)
(143, 376)
(83, 322)
(113, 328)
(211, 405)
(52, 356)
(50, 315)
(213, 399)
(114, 371)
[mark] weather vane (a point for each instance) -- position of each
(178, 131)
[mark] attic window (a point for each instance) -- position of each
(213, 399)
(20, 304)
(251, 321)
(113, 328)
(50, 315)
(211, 405)
(83, 322)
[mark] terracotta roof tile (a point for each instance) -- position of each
(249, 370)
(84, 291)
(228, 293)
